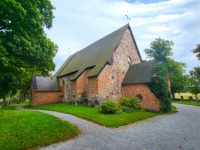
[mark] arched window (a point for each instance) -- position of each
(129, 61)
(63, 86)
(139, 97)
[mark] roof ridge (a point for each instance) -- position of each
(96, 54)
(64, 65)
(103, 38)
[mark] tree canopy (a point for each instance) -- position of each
(194, 81)
(159, 48)
(176, 72)
(197, 51)
(24, 45)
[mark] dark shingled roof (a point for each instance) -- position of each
(139, 73)
(47, 84)
(94, 56)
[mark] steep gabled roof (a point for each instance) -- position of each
(94, 56)
(139, 73)
(46, 84)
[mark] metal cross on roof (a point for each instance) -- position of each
(69, 50)
(127, 17)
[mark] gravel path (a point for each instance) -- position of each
(165, 132)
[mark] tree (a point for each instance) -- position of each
(197, 51)
(159, 86)
(159, 48)
(8, 82)
(23, 42)
(177, 78)
(194, 81)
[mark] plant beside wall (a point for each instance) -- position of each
(130, 102)
(159, 86)
(109, 107)
(126, 104)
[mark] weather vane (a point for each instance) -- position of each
(69, 50)
(127, 17)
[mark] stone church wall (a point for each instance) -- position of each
(66, 86)
(111, 77)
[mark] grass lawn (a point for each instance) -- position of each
(25, 129)
(92, 114)
(12, 106)
(187, 103)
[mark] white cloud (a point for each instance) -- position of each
(80, 23)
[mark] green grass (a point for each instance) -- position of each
(193, 103)
(25, 129)
(12, 106)
(92, 114)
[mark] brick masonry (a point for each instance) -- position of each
(149, 101)
(39, 98)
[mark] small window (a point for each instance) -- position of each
(129, 60)
(139, 97)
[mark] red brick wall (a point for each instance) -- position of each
(104, 83)
(92, 86)
(149, 101)
(81, 84)
(39, 98)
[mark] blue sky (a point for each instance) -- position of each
(144, 1)
(80, 23)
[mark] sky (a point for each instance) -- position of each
(79, 23)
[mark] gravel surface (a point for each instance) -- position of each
(165, 132)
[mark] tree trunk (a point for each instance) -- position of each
(173, 95)
(23, 92)
(20, 96)
(4, 100)
(196, 97)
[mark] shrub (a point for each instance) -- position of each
(109, 107)
(129, 102)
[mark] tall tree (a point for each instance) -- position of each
(197, 51)
(23, 42)
(159, 48)
(176, 72)
(194, 81)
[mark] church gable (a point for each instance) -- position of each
(110, 79)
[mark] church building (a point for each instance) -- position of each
(107, 69)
